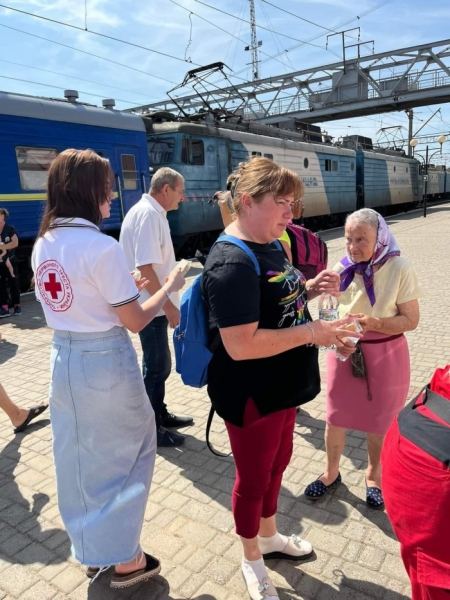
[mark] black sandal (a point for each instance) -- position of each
(152, 568)
(374, 497)
(35, 411)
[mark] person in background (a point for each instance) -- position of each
(147, 245)
(20, 417)
(9, 242)
(380, 289)
(266, 362)
(104, 434)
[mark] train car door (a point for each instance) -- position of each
(224, 162)
(129, 186)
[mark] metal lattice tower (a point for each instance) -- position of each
(253, 41)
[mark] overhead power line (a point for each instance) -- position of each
(10, 62)
(58, 87)
(103, 35)
(319, 35)
(114, 62)
(221, 29)
(266, 28)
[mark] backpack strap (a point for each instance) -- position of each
(231, 239)
(208, 429)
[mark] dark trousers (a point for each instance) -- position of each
(6, 281)
(156, 364)
(262, 449)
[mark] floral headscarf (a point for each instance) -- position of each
(385, 247)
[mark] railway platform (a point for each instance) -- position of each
(188, 523)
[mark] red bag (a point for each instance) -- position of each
(309, 252)
(440, 382)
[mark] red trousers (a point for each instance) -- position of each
(262, 449)
(416, 490)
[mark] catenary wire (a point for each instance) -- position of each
(104, 35)
(85, 52)
(74, 77)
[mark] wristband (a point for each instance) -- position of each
(166, 292)
(313, 341)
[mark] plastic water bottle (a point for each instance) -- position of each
(328, 311)
(328, 307)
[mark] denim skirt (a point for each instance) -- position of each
(104, 443)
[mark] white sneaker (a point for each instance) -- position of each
(295, 549)
(262, 590)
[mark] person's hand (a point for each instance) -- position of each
(172, 314)
(331, 333)
(175, 281)
(326, 282)
(348, 348)
(141, 284)
(367, 323)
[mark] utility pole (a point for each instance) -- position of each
(253, 41)
(410, 114)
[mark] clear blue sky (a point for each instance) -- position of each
(162, 25)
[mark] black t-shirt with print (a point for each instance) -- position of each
(235, 295)
(5, 237)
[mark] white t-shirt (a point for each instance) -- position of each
(80, 275)
(145, 240)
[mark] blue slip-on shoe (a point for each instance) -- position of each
(317, 489)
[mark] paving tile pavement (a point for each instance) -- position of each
(188, 521)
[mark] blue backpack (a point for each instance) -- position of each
(191, 335)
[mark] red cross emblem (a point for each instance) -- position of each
(54, 286)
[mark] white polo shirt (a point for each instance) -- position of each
(145, 240)
(80, 276)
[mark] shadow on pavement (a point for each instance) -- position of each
(7, 350)
(156, 588)
(22, 533)
(214, 477)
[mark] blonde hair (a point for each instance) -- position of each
(257, 177)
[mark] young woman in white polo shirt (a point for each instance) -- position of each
(104, 434)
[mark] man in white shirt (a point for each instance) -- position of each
(147, 245)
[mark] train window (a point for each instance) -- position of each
(192, 152)
(34, 164)
(130, 178)
(327, 164)
(269, 156)
(306, 163)
(407, 169)
(256, 153)
(352, 166)
(197, 152)
(335, 165)
(161, 152)
(395, 169)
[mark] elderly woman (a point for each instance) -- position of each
(366, 392)
(265, 364)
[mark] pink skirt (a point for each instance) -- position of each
(388, 378)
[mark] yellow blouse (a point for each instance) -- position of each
(394, 283)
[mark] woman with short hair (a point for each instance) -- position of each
(380, 289)
(265, 363)
(104, 434)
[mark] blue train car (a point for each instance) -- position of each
(385, 180)
(438, 182)
(32, 133)
(206, 154)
